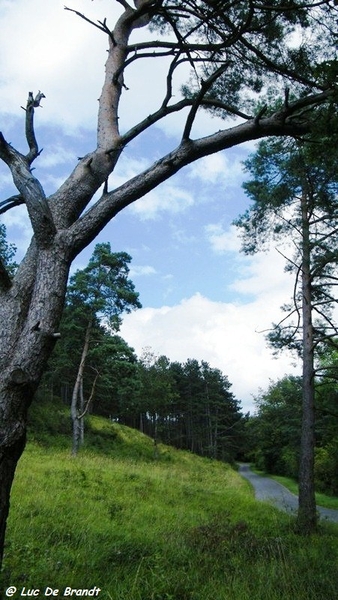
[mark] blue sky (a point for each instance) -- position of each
(201, 297)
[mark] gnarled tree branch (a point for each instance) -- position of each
(11, 202)
(110, 204)
(30, 189)
(205, 86)
(30, 134)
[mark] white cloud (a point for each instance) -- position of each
(260, 274)
(263, 275)
(140, 270)
(228, 335)
(221, 167)
(56, 155)
(6, 179)
(56, 52)
(223, 334)
(167, 198)
(64, 56)
(223, 240)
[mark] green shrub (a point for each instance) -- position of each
(326, 469)
(290, 462)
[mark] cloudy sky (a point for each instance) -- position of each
(202, 298)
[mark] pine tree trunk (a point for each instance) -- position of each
(76, 396)
(307, 515)
(82, 409)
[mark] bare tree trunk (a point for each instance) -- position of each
(82, 404)
(9, 458)
(307, 515)
(155, 435)
(76, 408)
(215, 447)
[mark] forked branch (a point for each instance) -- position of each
(6, 205)
(100, 24)
(87, 405)
(29, 188)
(205, 86)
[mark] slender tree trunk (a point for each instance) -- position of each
(215, 455)
(155, 422)
(76, 411)
(209, 433)
(307, 515)
(82, 408)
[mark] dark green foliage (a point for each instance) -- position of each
(7, 253)
(279, 169)
(188, 405)
(249, 50)
(118, 383)
(191, 407)
(274, 432)
(103, 287)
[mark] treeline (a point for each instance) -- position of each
(274, 432)
(188, 405)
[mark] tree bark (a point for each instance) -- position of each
(9, 457)
(30, 313)
(76, 411)
(82, 408)
(307, 515)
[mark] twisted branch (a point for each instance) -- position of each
(30, 134)
(30, 189)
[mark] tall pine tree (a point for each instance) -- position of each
(294, 191)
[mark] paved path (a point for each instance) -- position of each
(270, 490)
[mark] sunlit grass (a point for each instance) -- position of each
(142, 527)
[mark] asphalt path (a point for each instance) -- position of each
(269, 490)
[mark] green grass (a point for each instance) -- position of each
(176, 527)
(321, 499)
(292, 485)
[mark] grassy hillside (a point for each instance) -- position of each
(143, 526)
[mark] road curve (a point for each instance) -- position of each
(271, 491)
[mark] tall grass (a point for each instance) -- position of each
(142, 527)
